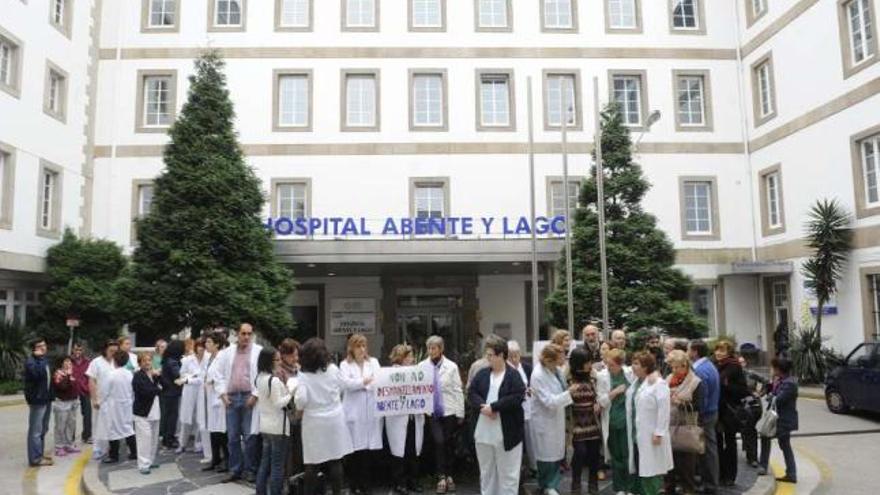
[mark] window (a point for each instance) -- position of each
(559, 85)
(160, 15)
(60, 15)
(10, 63)
(699, 204)
(142, 192)
(495, 101)
(49, 197)
(556, 197)
(293, 15)
(779, 303)
(870, 151)
(145, 200)
(292, 100)
(628, 92)
(428, 107)
(686, 17)
(865, 153)
(7, 185)
(227, 15)
(763, 90)
(17, 304)
(871, 291)
(291, 200)
(693, 101)
(157, 100)
(755, 9)
(858, 35)
(559, 15)
(493, 15)
(55, 92)
(427, 15)
(360, 15)
(703, 302)
(429, 198)
(361, 98)
(622, 16)
(772, 207)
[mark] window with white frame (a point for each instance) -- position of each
(493, 14)
(293, 100)
(685, 14)
(291, 199)
(227, 13)
(622, 14)
(874, 288)
(3, 186)
(145, 199)
(759, 8)
(861, 29)
(703, 304)
(426, 13)
(9, 64)
(17, 304)
(561, 97)
(55, 93)
(558, 197)
(162, 13)
(59, 16)
(427, 95)
(495, 100)
(627, 93)
(698, 207)
(7, 185)
(870, 155)
(691, 101)
(360, 100)
(429, 200)
(157, 101)
(558, 14)
(774, 211)
(360, 13)
(764, 78)
(48, 200)
(295, 13)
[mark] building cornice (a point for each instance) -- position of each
(777, 26)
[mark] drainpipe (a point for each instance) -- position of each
(744, 124)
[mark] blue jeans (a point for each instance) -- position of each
(271, 474)
(38, 425)
(238, 427)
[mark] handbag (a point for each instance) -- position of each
(766, 426)
(687, 434)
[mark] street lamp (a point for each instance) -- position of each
(649, 122)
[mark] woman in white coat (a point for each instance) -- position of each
(550, 396)
(611, 385)
(325, 435)
(647, 427)
(357, 373)
(192, 371)
(405, 434)
(116, 411)
(212, 411)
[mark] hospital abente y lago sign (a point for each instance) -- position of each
(360, 227)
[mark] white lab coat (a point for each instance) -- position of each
(116, 412)
(193, 391)
(550, 397)
(214, 410)
(603, 389)
(395, 428)
(651, 418)
(99, 370)
(227, 356)
(359, 404)
(272, 405)
(324, 433)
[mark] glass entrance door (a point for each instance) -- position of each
(415, 326)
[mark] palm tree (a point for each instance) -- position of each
(829, 236)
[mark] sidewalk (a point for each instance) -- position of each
(181, 474)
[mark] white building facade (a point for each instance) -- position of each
(405, 109)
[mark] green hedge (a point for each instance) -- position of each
(10, 387)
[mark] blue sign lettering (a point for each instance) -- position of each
(391, 226)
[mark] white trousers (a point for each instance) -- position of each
(147, 436)
(499, 468)
(100, 446)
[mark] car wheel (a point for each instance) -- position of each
(835, 402)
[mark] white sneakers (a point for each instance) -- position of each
(550, 491)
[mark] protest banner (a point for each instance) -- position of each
(404, 390)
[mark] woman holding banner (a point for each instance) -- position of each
(405, 435)
(357, 373)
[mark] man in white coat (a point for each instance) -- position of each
(237, 372)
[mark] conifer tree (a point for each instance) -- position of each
(203, 255)
(645, 290)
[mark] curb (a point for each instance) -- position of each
(12, 402)
(765, 485)
(811, 395)
(91, 485)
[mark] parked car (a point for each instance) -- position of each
(856, 383)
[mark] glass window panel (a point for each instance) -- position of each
(764, 89)
(627, 94)
(690, 101)
(295, 13)
(495, 100)
(58, 7)
(7, 65)
(157, 110)
(871, 166)
(228, 13)
(684, 14)
(861, 30)
(293, 100)
(145, 199)
(698, 207)
(291, 200)
(557, 14)
(428, 99)
(429, 201)
(361, 100)
(556, 84)
(622, 14)
(427, 13)
(360, 13)
(493, 13)
(162, 13)
(48, 197)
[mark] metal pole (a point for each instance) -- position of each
(535, 302)
(600, 208)
(563, 116)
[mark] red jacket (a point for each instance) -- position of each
(64, 386)
(79, 372)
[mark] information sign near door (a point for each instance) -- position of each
(352, 315)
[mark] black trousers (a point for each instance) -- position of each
(85, 405)
(727, 454)
(168, 421)
(750, 442)
(219, 447)
(332, 472)
(683, 474)
(443, 437)
(294, 464)
(586, 455)
(360, 468)
(405, 470)
(129, 442)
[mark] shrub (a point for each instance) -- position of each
(11, 387)
(811, 360)
(13, 350)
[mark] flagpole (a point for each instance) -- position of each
(531, 150)
(563, 116)
(600, 208)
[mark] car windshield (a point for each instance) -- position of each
(863, 355)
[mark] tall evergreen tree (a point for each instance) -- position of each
(645, 290)
(203, 255)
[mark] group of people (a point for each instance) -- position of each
(292, 415)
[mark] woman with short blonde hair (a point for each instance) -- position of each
(399, 353)
(685, 398)
(405, 434)
(551, 396)
(357, 373)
